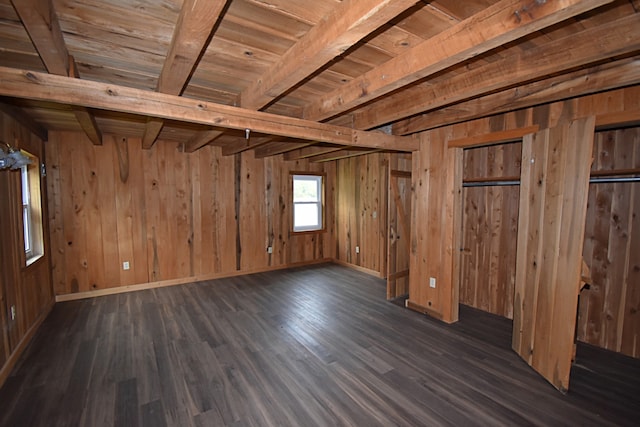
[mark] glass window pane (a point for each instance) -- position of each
(306, 216)
(26, 218)
(306, 188)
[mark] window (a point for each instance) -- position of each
(307, 202)
(31, 210)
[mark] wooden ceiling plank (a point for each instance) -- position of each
(342, 154)
(589, 46)
(303, 153)
(41, 22)
(46, 87)
(494, 26)
(579, 83)
(191, 34)
(275, 148)
(201, 139)
(346, 25)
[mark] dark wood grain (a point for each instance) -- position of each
(308, 346)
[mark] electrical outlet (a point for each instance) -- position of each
(432, 282)
(374, 214)
(125, 265)
(357, 249)
(270, 249)
(13, 312)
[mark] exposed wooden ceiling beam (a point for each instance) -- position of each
(85, 118)
(303, 153)
(494, 26)
(347, 24)
(191, 34)
(275, 148)
(589, 46)
(341, 154)
(65, 90)
(583, 82)
(201, 139)
(41, 22)
(24, 119)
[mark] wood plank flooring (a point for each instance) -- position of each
(303, 347)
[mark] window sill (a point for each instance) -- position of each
(32, 260)
(297, 233)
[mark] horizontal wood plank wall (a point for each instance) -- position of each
(432, 236)
(490, 227)
(610, 309)
(170, 215)
(28, 289)
(361, 204)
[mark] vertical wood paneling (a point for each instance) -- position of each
(489, 229)
(171, 215)
(608, 308)
(361, 203)
(27, 288)
(553, 199)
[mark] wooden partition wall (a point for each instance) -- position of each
(25, 288)
(610, 308)
(172, 216)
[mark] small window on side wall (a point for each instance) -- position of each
(307, 202)
(31, 210)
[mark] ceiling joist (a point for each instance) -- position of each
(345, 26)
(590, 46)
(583, 82)
(195, 26)
(501, 23)
(41, 22)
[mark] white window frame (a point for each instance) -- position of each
(26, 212)
(319, 203)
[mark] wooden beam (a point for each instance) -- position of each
(347, 24)
(151, 131)
(590, 46)
(191, 34)
(342, 154)
(41, 22)
(44, 87)
(510, 135)
(499, 24)
(275, 148)
(314, 150)
(624, 118)
(85, 118)
(595, 79)
(201, 139)
(25, 120)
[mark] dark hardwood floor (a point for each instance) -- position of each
(302, 347)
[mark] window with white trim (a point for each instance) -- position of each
(31, 210)
(307, 202)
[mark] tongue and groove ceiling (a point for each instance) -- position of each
(355, 75)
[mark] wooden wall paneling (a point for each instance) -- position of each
(489, 228)
(398, 228)
(554, 185)
(432, 244)
(253, 230)
(607, 317)
(56, 215)
(26, 288)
